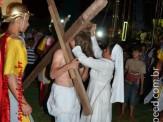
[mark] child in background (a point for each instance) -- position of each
(135, 69)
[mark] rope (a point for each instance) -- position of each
(99, 94)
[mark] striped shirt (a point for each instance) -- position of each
(31, 55)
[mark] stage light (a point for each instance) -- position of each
(62, 20)
(100, 34)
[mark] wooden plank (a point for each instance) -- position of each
(88, 14)
(57, 17)
(73, 73)
(60, 34)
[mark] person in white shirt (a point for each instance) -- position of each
(100, 92)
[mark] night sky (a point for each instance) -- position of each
(37, 7)
(40, 9)
(75, 7)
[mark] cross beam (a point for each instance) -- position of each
(68, 57)
(64, 39)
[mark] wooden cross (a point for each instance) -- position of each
(64, 39)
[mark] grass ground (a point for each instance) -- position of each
(142, 113)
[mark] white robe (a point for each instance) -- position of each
(63, 104)
(99, 89)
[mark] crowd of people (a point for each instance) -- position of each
(118, 73)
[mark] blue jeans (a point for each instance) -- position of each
(131, 92)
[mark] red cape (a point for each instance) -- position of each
(4, 97)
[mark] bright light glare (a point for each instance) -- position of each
(51, 21)
(62, 20)
(99, 34)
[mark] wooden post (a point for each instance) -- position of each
(64, 39)
(68, 57)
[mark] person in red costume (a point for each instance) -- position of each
(42, 48)
(13, 60)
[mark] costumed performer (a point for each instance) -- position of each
(100, 92)
(63, 102)
(13, 56)
(42, 48)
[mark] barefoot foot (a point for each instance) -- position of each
(132, 118)
(120, 116)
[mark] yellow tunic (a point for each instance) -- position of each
(16, 52)
(160, 54)
(41, 46)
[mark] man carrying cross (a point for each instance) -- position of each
(64, 39)
(63, 102)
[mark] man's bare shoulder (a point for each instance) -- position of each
(58, 53)
(57, 58)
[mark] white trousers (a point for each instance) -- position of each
(63, 104)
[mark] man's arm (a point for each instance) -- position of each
(57, 69)
(90, 62)
(13, 85)
(126, 67)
